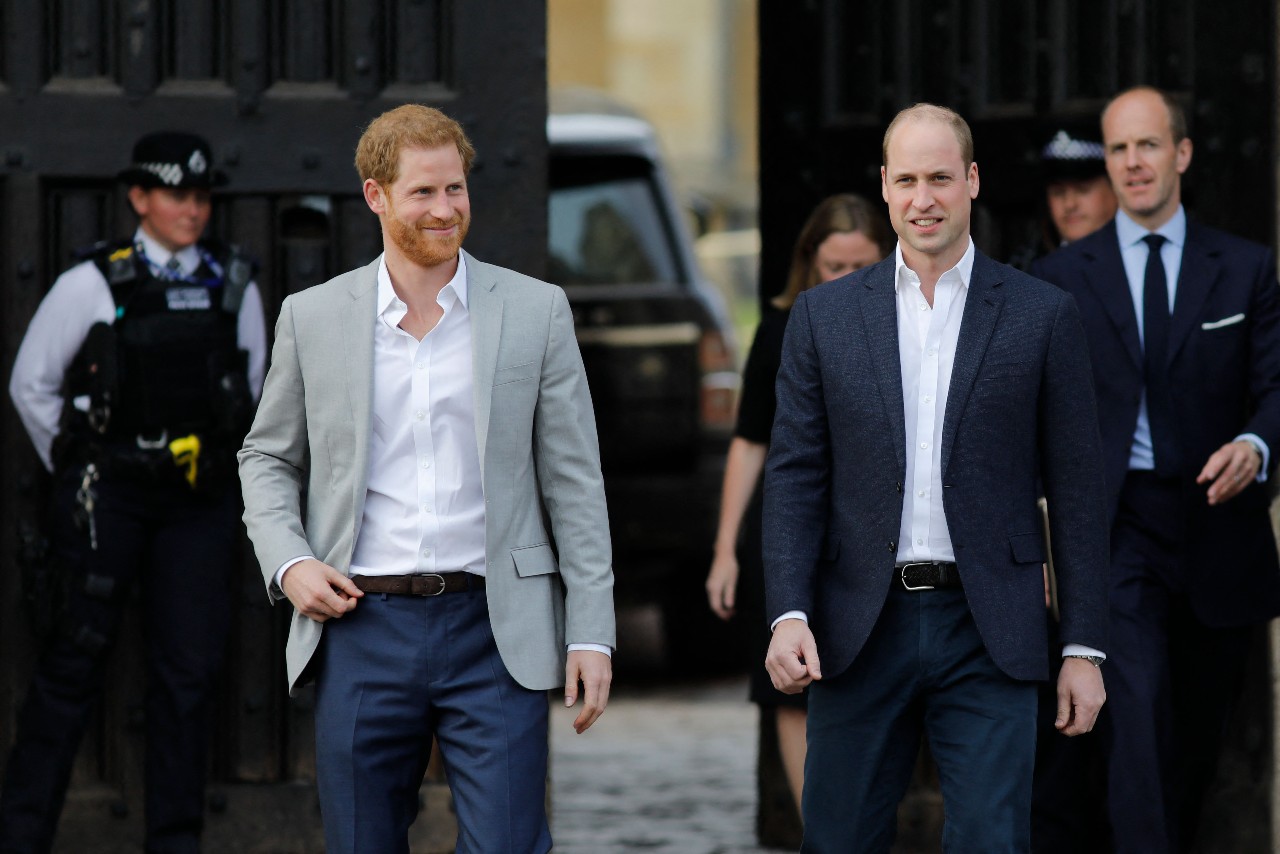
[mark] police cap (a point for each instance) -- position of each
(1068, 157)
(172, 159)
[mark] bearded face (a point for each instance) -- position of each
(427, 241)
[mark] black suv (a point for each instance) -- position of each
(657, 346)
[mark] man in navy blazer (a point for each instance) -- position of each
(1187, 372)
(922, 402)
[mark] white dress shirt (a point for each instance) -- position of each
(424, 508)
(1134, 253)
(80, 298)
(927, 339)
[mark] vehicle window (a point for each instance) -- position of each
(608, 232)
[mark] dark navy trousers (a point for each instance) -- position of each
(1172, 681)
(398, 671)
(174, 550)
(924, 671)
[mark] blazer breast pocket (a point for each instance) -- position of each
(515, 373)
(1005, 370)
(1223, 323)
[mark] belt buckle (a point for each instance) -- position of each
(156, 444)
(438, 577)
(902, 574)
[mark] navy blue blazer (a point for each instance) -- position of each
(1020, 412)
(1224, 362)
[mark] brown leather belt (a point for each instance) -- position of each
(928, 576)
(433, 584)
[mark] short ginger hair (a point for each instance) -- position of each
(407, 126)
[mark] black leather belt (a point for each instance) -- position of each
(433, 584)
(928, 576)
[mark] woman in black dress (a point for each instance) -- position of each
(844, 233)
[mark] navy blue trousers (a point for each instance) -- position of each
(924, 671)
(175, 550)
(1171, 680)
(398, 671)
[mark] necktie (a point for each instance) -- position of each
(1155, 351)
(173, 269)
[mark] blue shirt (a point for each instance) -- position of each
(1133, 252)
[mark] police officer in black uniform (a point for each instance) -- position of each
(1078, 199)
(136, 380)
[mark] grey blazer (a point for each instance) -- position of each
(304, 464)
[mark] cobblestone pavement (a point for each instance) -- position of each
(668, 768)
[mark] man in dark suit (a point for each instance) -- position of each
(921, 402)
(1187, 370)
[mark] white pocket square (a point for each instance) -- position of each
(1226, 321)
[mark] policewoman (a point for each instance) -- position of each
(136, 382)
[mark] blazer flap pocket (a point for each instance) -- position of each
(1226, 321)
(1028, 547)
(515, 373)
(534, 560)
(830, 547)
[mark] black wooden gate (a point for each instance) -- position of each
(833, 73)
(282, 89)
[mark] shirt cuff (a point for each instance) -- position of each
(1262, 449)
(1081, 649)
(790, 615)
(591, 647)
(276, 590)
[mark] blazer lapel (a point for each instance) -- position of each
(1196, 279)
(880, 323)
(484, 305)
(1107, 279)
(981, 308)
(357, 340)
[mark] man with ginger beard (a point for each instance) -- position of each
(1183, 325)
(422, 482)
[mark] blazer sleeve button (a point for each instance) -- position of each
(893, 547)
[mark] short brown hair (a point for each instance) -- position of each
(840, 214)
(407, 126)
(1177, 115)
(932, 112)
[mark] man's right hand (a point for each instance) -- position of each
(318, 590)
(792, 660)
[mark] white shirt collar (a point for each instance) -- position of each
(387, 299)
(188, 256)
(963, 271)
(1129, 233)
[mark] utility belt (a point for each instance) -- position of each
(190, 461)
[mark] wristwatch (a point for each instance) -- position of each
(1095, 660)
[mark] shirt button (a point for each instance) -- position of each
(923, 306)
(933, 352)
(419, 415)
(928, 398)
(924, 445)
(919, 542)
(420, 365)
(426, 508)
(920, 493)
(426, 552)
(426, 463)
